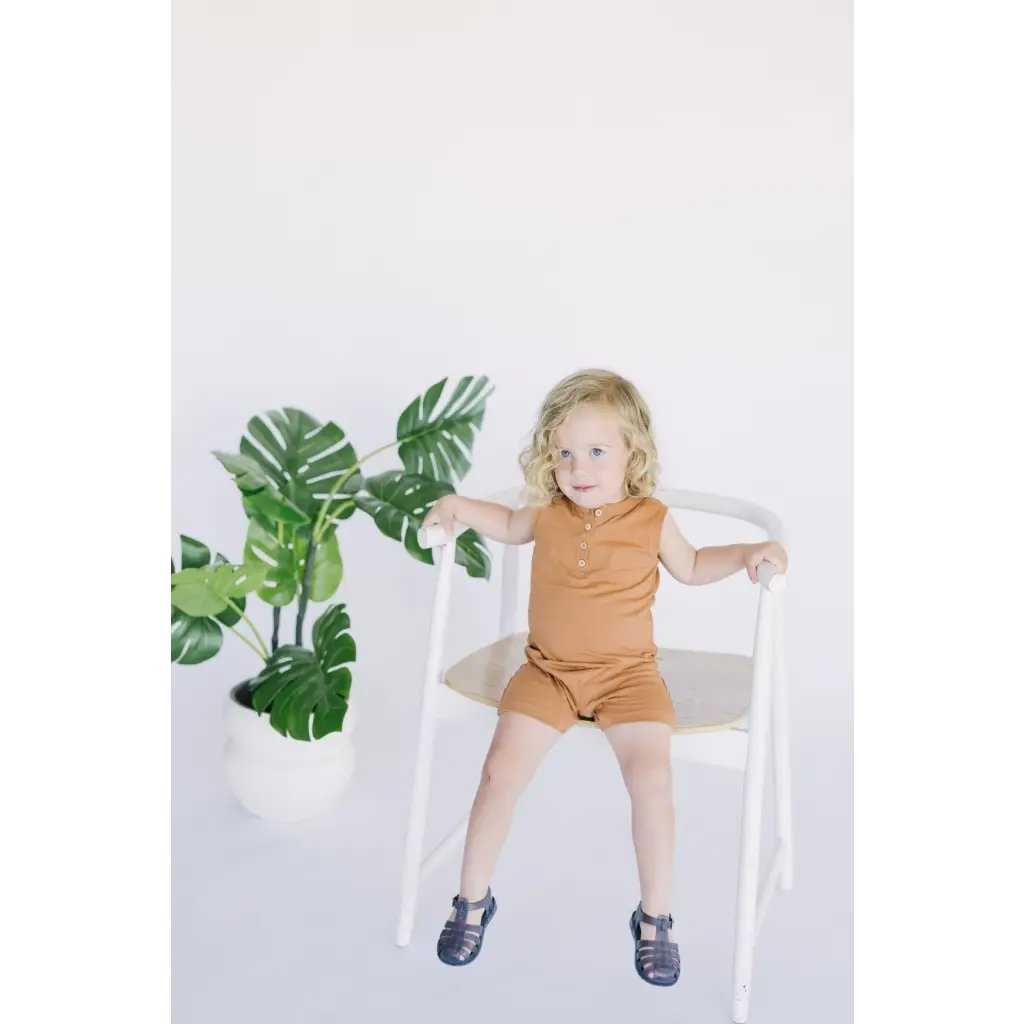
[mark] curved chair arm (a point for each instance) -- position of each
(720, 505)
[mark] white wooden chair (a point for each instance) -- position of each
(725, 705)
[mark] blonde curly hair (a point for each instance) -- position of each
(590, 388)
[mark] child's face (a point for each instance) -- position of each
(591, 457)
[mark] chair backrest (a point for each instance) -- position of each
(693, 501)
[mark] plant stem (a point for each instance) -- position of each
(322, 515)
(428, 429)
(330, 518)
(245, 640)
(307, 580)
(317, 529)
(255, 632)
(275, 636)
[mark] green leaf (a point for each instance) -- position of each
(229, 616)
(284, 565)
(275, 508)
(197, 638)
(399, 502)
(281, 574)
(261, 497)
(327, 567)
(341, 508)
(208, 591)
(297, 684)
(248, 473)
(302, 457)
(471, 552)
(193, 640)
(439, 446)
(194, 554)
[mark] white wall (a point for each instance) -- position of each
(369, 196)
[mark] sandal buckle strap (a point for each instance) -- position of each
(463, 907)
(662, 923)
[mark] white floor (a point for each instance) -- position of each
(296, 923)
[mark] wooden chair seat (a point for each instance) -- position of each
(709, 691)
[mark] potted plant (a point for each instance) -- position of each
(288, 753)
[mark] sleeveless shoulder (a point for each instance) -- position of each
(655, 506)
(547, 518)
(645, 521)
(649, 511)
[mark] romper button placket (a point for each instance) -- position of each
(583, 546)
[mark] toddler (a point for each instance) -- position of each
(599, 536)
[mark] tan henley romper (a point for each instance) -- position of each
(590, 651)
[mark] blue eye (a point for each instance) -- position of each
(564, 453)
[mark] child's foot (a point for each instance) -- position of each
(463, 934)
(648, 932)
(656, 957)
(472, 916)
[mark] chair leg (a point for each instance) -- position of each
(412, 868)
(783, 784)
(412, 865)
(753, 803)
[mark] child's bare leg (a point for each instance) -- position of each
(643, 752)
(517, 749)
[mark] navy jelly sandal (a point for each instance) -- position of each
(656, 960)
(460, 942)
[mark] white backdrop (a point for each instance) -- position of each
(369, 196)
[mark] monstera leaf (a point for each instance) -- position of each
(327, 566)
(197, 638)
(263, 501)
(281, 576)
(213, 589)
(398, 503)
(284, 564)
(297, 683)
(302, 457)
(471, 553)
(438, 446)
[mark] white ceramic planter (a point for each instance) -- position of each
(282, 779)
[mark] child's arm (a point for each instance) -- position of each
(494, 521)
(708, 565)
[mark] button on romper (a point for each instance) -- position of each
(590, 651)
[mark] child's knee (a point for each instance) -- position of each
(648, 776)
(505, 770)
